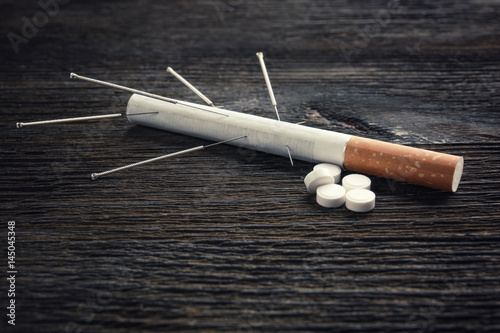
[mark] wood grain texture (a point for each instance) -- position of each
(229, 240)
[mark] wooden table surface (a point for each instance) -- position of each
(227, 239)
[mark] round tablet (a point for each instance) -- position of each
(332, 168)
(356, 181)
(330, 195)
(316, 178)
(360, 200)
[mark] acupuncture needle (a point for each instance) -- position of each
(260, 55)
(68, 120)
(190, 86)
(289, 154)
(117, 86)
(139, 92)
(95, 176)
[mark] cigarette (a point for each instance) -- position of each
(373, 157)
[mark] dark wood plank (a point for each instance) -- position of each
(229, 239)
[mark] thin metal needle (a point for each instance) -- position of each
(260, 55)
(289, 154)
(116, 86)
(68, 120)
(140, 92)
(95, 176)
(190, 86)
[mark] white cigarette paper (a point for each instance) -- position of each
(263, 134)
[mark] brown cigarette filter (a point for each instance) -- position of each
(402, 163)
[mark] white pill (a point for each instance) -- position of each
(360, 200)
(330, 195)
(332, 168)
(356, 181)
(316, 178)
